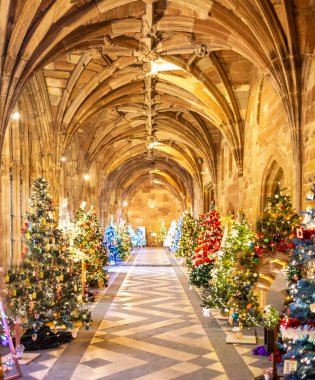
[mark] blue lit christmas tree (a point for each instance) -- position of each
(111, 243)
(177, 235)
(298, 325)
(140, 237)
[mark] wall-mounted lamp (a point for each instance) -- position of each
(63, 159)
(86, 177)
(125, 203)
(16, 115)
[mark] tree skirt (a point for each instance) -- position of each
(44, 338)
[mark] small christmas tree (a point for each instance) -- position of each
(175, 242)
(124, 241)
(242, 277)
(140, 234)
(162, 234)
(111, 243)
(170, 234)
(188, 239)
(132, 235)
(46, 285)
(208, 244)
(218, 291)
(276, 224)
(298, 325)
(87, 238)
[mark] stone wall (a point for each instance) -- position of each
(139, 213)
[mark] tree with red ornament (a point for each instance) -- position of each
(208, 244)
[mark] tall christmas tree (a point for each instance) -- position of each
(188, 239)
(298, 325)
(208, 244)
(162, 234)
(170, 234)
(175, 242)
(87, 238)
(221, 287)
(276, 224)
(111, 243)
(46, 284)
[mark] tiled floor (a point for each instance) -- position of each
(148, 325)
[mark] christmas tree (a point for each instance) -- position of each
(188, 239)
(298, 325)
(208, 244)
(123, 241)
(276, 224)
(219, 292)
(46, 285)
(162, 234)
(170, 234)
(140, 234)
(175, 242)
(87, 241)
(243, 276)
(111, 243)
(132, 235)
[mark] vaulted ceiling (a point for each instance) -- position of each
(148, 89)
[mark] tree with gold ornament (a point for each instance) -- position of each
(162, 234)
(88, 240)
(188, 238)
(275, 227)
(45, 286)
(124, 243)
(208, 244)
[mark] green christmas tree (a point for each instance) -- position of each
(88, 241)
(275, 227)
(238, 240)
(243, 277)
(123, 241)
(188, 239)
(208, 244)
(162, 234)
(46, 285)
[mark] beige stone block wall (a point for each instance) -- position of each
(308, 132)
(139, 213)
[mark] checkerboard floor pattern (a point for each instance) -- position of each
(147, 330)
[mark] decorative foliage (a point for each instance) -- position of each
(208, 244)
(298, 325)
(276, 225)
(188, 239)
(87, 241)
(46, 285)
(162, 234)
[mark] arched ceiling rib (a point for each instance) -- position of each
(95, 57)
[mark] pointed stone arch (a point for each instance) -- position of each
(273, 174)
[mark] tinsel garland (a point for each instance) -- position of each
(294, 329)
